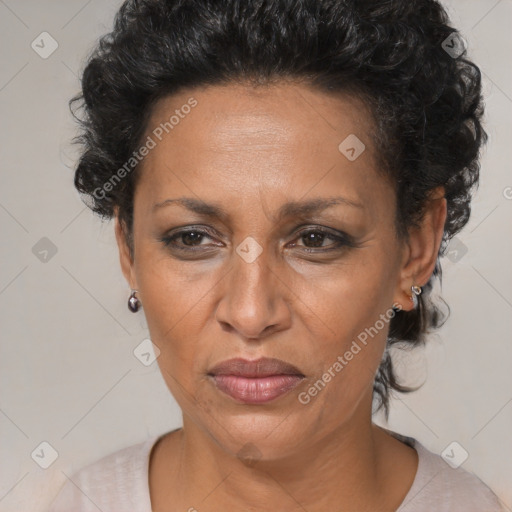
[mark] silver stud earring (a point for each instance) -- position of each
(133, 302)
(416, 290)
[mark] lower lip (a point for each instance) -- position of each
(256, 390)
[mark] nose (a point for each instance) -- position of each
(254, 299)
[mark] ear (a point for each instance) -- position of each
(125, 257)
(422, 248)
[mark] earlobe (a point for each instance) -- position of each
(422, 249)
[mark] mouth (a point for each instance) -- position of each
(255, 382)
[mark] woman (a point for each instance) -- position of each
(284, 176)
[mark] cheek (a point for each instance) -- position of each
(351, 295)
(354, 305)
(348, 354)
(174, 303)
(356, 316)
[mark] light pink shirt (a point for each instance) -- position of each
(119, 483)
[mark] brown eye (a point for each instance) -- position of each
(314, 238)
(190, 237)
(187, 239)
(317, 240)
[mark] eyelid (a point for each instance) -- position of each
(174, 234)
(192, 227)
(340, 238)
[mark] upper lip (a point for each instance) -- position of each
(263, 367)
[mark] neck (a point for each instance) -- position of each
(347, 470)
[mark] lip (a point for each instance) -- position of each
(255, 382)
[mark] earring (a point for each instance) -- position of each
(133, 302)
(416, 290)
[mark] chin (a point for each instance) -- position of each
(257, 436)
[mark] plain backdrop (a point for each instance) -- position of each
(69, 376)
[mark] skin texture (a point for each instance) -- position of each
(250, 150)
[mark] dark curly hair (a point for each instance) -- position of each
(426, 101)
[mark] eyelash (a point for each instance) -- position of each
(341, 240)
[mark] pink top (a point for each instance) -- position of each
(119, 483)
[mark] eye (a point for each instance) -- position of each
(187, 239)
(315, 240)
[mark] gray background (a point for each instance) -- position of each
(69, 376)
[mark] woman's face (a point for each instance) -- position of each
(254, 272)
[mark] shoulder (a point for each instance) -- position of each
(441, 487)
(118, 481)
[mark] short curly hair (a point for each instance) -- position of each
(425, 100)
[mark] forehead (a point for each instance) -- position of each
(235, 141)
(264, 116)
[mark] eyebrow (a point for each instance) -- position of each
(289, 209)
